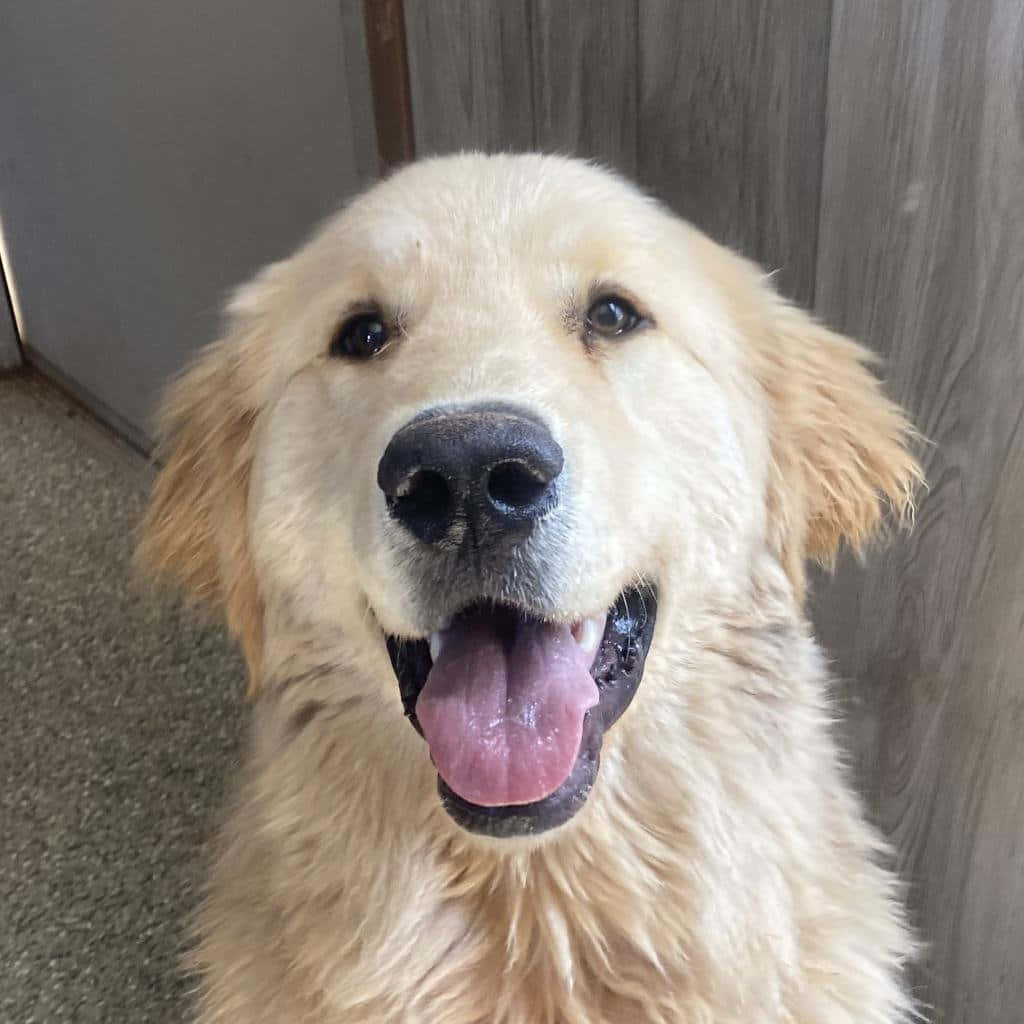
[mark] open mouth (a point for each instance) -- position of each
(514, 708)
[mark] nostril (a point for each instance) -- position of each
(424, 503)
(514, 489)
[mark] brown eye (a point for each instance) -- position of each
(360, 337)
(611, 316)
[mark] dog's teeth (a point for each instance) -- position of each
(588, 633)
(435, 646)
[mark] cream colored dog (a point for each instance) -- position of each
(504, 453)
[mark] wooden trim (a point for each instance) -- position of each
(389, 80)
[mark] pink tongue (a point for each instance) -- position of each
(503, 706)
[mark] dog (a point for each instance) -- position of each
(506, 482)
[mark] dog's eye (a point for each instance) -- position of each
(360, 337)
(611, 316)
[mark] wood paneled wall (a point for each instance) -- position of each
(871, 152)
(921, 254)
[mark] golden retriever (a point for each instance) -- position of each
(505, 482)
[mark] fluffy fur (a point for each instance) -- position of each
(721, 869)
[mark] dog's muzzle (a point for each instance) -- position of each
(513, 702)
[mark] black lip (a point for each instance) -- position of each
(618, 668)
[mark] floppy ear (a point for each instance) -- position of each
(196, 530)
(840, 448)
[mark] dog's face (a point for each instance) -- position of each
(495, 421)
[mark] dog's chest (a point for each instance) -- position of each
(540, 950)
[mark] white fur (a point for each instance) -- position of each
(721, 870)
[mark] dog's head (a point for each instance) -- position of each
(481, 428)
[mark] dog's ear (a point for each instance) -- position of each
(840, 449)
(196, 531)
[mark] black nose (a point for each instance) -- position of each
(491, 466)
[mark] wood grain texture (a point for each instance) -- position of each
(470, 68)
(922, 256)
(730, 126)
(585, 79)
(554, 75)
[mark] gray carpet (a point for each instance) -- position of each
(119, 723)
